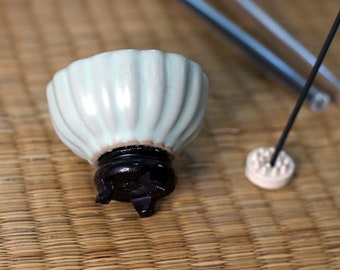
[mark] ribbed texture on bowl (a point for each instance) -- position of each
(127, 97)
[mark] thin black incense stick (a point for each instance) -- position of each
(306, 88)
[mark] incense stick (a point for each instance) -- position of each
(304, 93)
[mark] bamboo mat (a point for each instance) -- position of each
(215, 219)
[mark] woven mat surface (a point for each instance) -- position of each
(215, 219)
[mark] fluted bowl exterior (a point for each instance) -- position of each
(127, 97)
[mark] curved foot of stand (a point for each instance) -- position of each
(105, 196)
(144, 206)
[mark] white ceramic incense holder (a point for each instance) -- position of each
(260, 172)
(128, 112)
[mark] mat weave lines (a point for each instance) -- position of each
(215, 219)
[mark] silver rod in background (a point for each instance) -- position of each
(280, 33)
(317, 100)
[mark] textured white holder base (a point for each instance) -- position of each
(259, 171)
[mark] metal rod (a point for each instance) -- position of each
(304, 93)
(280, 33)
(317, 99)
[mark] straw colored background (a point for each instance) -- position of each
(215, 219)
